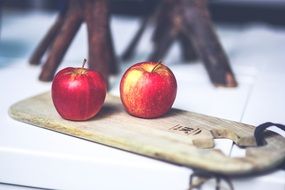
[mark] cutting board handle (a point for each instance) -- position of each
(259, 131)
(259, 134)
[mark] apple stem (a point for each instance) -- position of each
(156, 66)
(84, 63)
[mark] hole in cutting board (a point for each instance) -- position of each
(224, 145)
(240, 151)
(237, 151)
(277, 130)
(233, 150)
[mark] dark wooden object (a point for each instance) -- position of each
(189, 22)
(101, 51)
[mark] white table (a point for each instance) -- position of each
(34, 157)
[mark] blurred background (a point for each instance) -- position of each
(225, 11)
(251, 32)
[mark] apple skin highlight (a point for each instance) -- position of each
(148, 90)
(78, 93)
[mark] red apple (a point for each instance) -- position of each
(148, 89)
(78, 93)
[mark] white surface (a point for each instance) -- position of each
(35, 157)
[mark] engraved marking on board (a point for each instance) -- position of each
(185, 130)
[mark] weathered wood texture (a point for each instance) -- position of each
(180, 137)
(189, 22)
(56, 42)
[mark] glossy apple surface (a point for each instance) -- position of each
(78, 93)
(148, 89)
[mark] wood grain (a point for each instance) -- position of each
(180, 137)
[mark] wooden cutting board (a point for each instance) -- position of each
(180, 137)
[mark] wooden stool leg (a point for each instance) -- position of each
(187, 50)
(111, 55)
(167, 30)
(47, 40)
(96, 17)
(162, 46)
(163, 20)
(192, 25)
(199, 29)
(101, 51)
(63, 39)
(129, 52)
